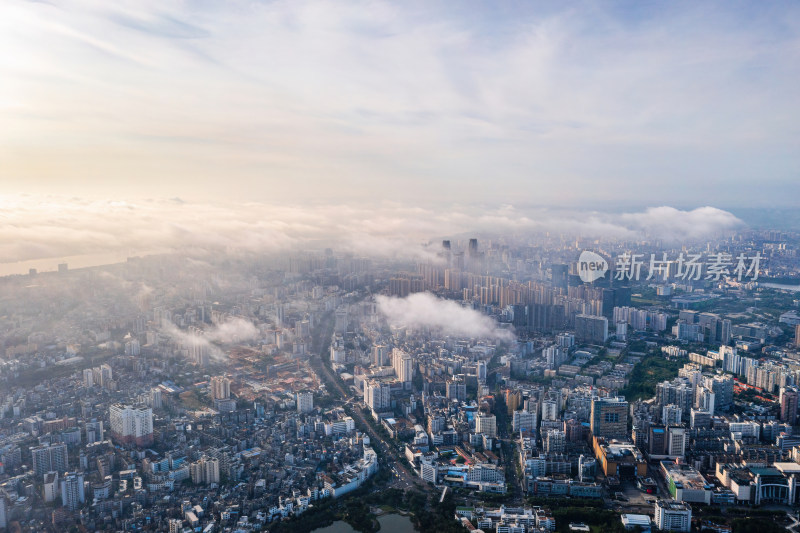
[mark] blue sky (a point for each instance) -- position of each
(593, 104)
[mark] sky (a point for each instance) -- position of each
(633, 105)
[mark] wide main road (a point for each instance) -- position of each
(321, 364)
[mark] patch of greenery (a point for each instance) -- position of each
(651, 370)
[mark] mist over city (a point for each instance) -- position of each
(402, 267)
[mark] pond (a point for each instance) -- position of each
(390, 523)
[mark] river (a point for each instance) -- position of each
(795, 288)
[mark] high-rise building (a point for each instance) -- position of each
(341, 323)
(555, 441)
(205, 471)
(700, 419)
(676, 441)
(678, 392)
(673, 516)
(220, 387)
(591, 329)
(788, 401)
(671, 415)
(305, 402)
(156, 399)
(131, 425)
(403, 365)
(380, 355)
(88, 377)
(559, 275)
(50, 487)
(524, 421)
(94, 431)
(797, 336)
(480, 370)
(513, 399)
(486, 425)
(550, 409)
(49, 458)
(456, 390)
(609, 417)
(377, 395)
(722, 387)
(72, 491)
(3, 509)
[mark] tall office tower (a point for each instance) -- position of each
(305, 402)
(131, 425)
(473, 247)
(788, 401)
(797, 336)
(88, 377)
(676, 441)
(49, 458)
(722, 387)
(591, 329)
(220, 387)
(72, 492)
(377, 395)
(403, 365)
(657, 440)
(487, 425)
(609, 417)
(446, 253)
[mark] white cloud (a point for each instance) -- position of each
(423, 310)
(234, 330)
(33, 227)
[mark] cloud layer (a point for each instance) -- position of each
(33, 227)
(423, 310)
(233, 330)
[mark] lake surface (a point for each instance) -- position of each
(390, 523)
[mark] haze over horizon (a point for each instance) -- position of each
(591, 105)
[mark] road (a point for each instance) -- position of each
(405, 479)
